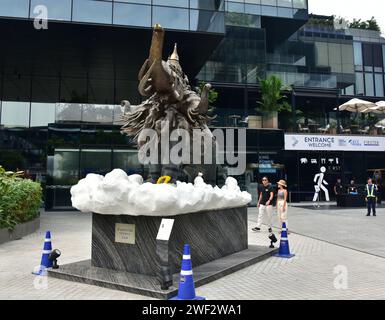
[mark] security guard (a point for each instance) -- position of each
(371, 197)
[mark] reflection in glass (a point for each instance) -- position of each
(171, 3)
(68, 112)
(379, 85)
(285, 3)
(369, 85)
(217, 5)
(269, 2)
(57, 9)
(269, 11)
(132, 15)
(14, 8)
(15, 114)
(357, 53)
(235, 7)
(128, 161)
(65, 167)
(172, 18)
(92, 11)
(300, 4)
(42, 114)
(253, 9)
(359, 83)
(285, 12)
(97, 113)
(95, 161)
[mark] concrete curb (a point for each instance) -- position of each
(20, 231)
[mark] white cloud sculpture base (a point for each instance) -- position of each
(119, 194)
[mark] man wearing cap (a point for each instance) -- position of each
(371, 197)
(265, 204)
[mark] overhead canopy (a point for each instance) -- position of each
(356, 105)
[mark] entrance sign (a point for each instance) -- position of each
(308, 142)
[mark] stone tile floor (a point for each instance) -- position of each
(340, 254)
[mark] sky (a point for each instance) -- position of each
(350, 9)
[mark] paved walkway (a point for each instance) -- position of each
(320, 269)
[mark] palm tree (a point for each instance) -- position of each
(272, 99)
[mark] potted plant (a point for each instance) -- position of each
(333, 127)
(372, 120)
(272, 101)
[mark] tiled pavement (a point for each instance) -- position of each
(309, 275)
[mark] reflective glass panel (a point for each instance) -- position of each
(14, 8)
(285, 3)
(171, 3)
(15, 114)
(42, 114)
(235, 7)
(359, 83)
(357, 53)
(92, 11)
(172, 18)
(269, 2)
(369, 85)
(300, 4)
(56, 9)
(379, 85)
(207, 4)
(132, 14)
(269, 11)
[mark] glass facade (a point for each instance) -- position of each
(194, 15)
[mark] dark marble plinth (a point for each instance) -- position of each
(147, 285)
(210, 234)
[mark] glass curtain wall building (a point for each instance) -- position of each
(61, 87)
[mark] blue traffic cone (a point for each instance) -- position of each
(45, 262)
(186, 289)
(284, 250)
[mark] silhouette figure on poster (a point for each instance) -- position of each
(320, 184)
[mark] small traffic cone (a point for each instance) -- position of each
(186, 289)
(284, 250)
(45, 262)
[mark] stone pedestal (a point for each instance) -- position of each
(133, 261)
(210, 234)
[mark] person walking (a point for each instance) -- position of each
(265, 205)
(371, 197)
(282, 196)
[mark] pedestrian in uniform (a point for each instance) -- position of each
(282, 196)
(265, 204)
(371, 197)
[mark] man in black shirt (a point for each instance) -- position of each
(265, 204)
(338, 188)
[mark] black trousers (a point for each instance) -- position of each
(371, 205)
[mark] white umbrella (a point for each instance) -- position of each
(379, 108)
(380, 124)
(356, 105)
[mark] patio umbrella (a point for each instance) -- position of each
(379, 108)
(380, 124)
(356, 105)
